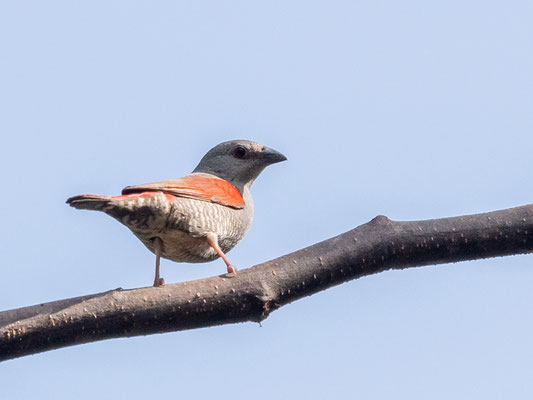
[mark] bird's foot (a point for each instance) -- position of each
(159, 282)
(232, 271)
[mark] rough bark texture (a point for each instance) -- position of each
(379, 245)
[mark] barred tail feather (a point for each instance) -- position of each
(89, 202)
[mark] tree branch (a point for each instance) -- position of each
(376, 246)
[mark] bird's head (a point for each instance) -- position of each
(238, 161)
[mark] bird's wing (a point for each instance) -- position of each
(204, 188)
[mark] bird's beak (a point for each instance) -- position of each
(271, 156)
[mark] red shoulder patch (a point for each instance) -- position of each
(197, 187)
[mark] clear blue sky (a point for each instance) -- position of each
(411, 109)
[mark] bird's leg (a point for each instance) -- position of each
(158, 247)
(212, 241)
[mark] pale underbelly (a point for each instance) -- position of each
(182, 225)
(180, 246)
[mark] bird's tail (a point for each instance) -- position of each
(89, 202)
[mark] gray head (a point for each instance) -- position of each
(238, 161)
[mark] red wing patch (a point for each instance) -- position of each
(195, 187)
(143, 194)
(135, 195)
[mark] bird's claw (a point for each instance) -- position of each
(159, 282)
(232, 271)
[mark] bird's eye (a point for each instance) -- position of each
(240, 152)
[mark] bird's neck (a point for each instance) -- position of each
(248, 201)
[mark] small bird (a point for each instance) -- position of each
(197, 218)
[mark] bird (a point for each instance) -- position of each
(196, 218)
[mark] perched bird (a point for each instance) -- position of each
(197, 218)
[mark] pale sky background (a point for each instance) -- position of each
(412, 109)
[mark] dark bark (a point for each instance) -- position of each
(255, 292)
